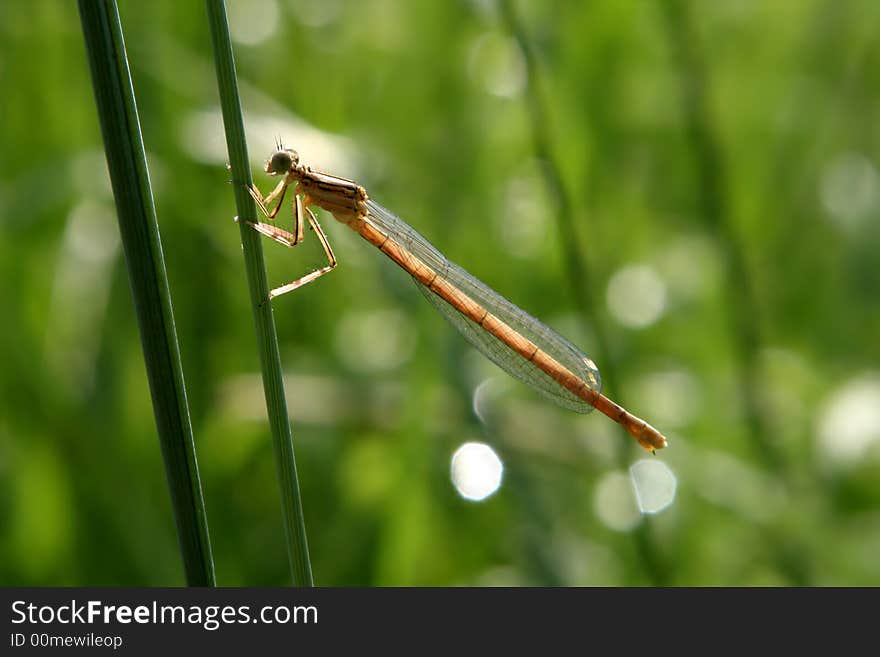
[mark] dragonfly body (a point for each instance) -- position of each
(510, 337)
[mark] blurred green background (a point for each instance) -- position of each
(716, 164)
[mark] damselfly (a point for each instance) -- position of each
(514, 340)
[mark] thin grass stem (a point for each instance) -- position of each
(255, 268)
(117, 111)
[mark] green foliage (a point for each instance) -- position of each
(427, 105)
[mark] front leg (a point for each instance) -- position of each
(290, 240)
(264, 203)
(325, 244)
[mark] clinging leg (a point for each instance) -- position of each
(289, 239)
(325, 244)
(264, 203)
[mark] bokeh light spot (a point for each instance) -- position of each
(654, 485)
(690, 266)
(849, 426)
(671, 397)
(375, 341)
(88, 171)
(849, 190)
(497, 64)
(80, 291)
(476, 471)
(614, 502)
(316, 13)
(636, 296)
(486, 397)
(254, 21)
(522, 222)
(325, 151)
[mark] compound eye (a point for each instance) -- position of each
(280, 162)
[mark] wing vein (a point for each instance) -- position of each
(519, 320)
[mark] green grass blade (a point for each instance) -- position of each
(267, 342)
(126, 161)
(127, 164)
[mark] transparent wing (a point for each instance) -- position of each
(491, 347)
